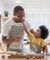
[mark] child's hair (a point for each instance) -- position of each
(17, 8)
(44, 31)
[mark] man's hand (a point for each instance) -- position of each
(7, 41)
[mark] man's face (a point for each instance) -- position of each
(20, 15)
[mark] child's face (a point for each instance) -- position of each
(37, 33)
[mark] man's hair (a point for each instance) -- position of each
(17, 8)
(44, 32)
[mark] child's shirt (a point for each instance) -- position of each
(36, 41)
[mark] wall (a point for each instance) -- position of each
(1, 11)
(37, 11)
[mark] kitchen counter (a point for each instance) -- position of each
(45, 58)
(6, 58)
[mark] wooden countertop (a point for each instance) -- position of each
(48, 58)
(6, 58)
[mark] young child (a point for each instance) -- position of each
(37, 38)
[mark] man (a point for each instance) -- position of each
(13, 30)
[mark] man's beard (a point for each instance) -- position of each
(18, 20)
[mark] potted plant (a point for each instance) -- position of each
(6, 13)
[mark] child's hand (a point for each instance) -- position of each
(22, 20)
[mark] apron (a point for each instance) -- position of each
(16, 31)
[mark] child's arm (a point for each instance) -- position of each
(32, 31)
(25, 28)
(45, 49)
(44, 46)
(30, 35)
